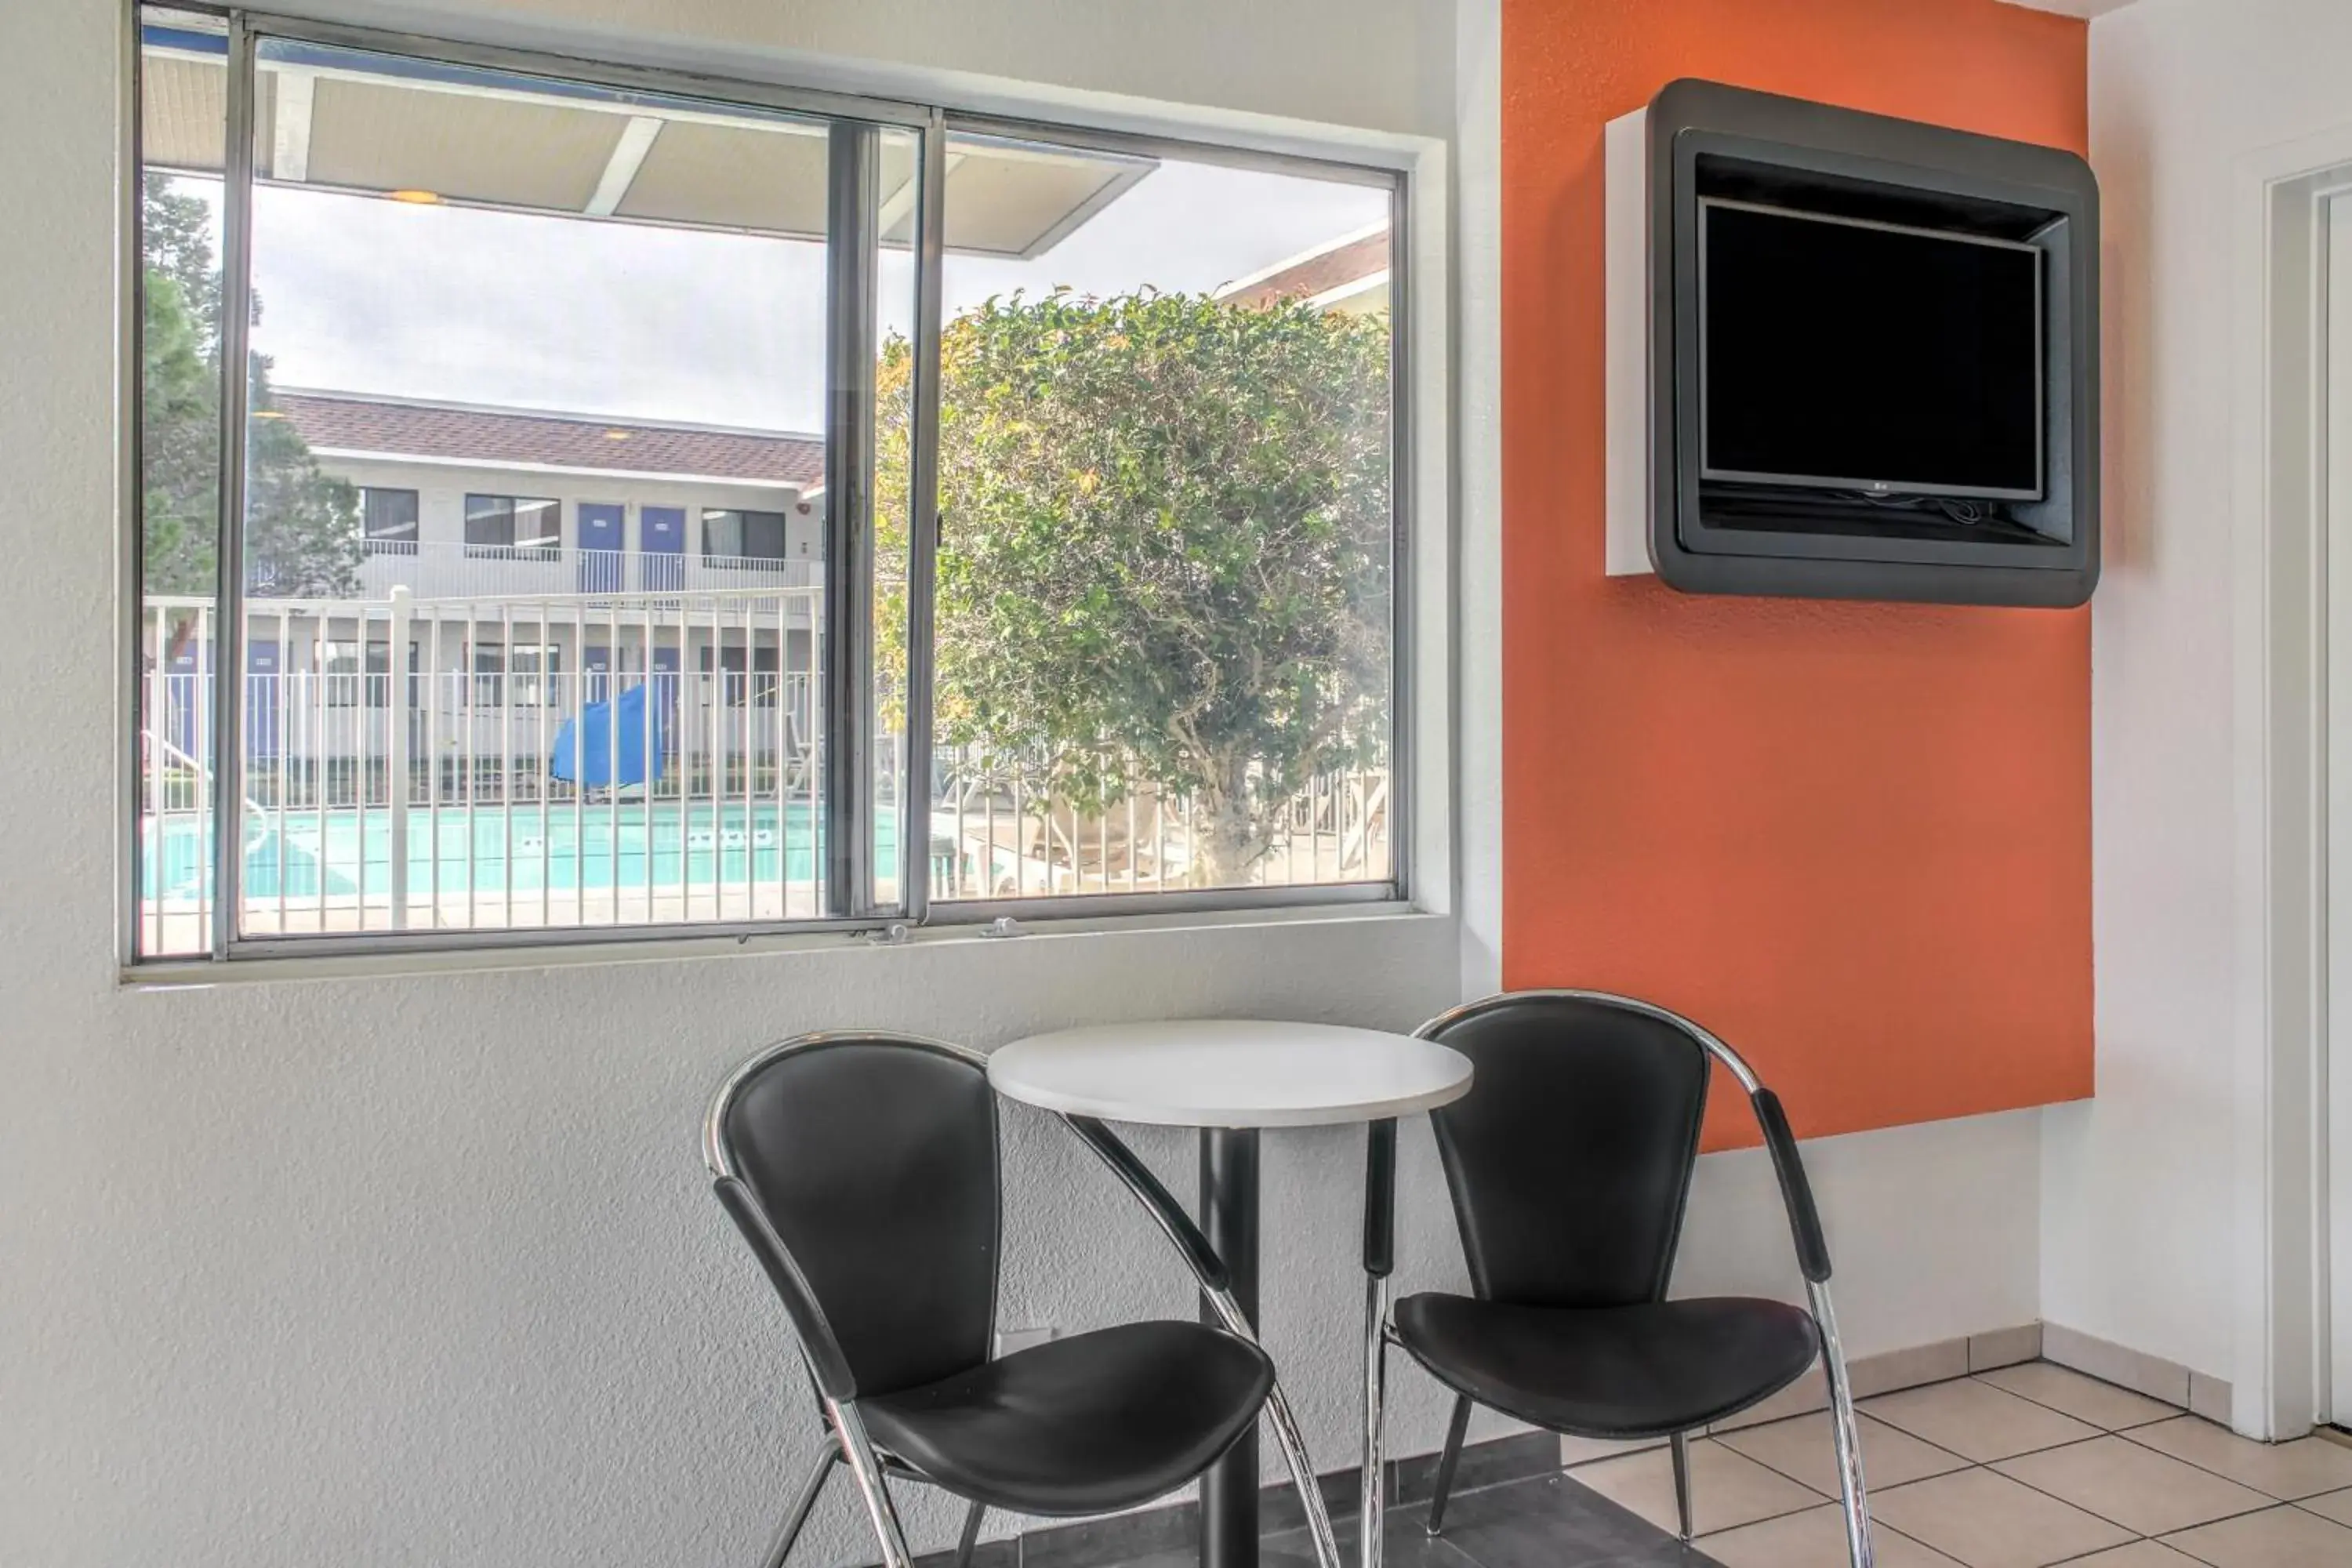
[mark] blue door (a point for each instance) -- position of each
(661, 536)
(601, 543)
(262, 685)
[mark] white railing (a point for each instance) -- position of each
(1000, 830)
(400, 759)
(400, 756)
(444, 571)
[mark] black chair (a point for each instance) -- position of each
(863, 1171)
(1569, 1163)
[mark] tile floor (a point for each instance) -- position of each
(2022, 1467)
(1548, 1521)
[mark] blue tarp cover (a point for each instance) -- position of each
(607, 765)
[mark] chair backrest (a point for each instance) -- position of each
(874, 1159)
(1570, 1158)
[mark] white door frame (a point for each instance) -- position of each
(2279, 1259)
(2332, 1369)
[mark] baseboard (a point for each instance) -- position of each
(1174, 1527)
(1892, 1371)
(2137, 1370)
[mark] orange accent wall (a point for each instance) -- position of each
(1853, 839)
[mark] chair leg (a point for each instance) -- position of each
(969, 1539)
(1853, 1494)
(1302, 1476)
(866, 1468)
(804, 1501)
(1455, 1430)
(1374, 1514)
(1681, 1445)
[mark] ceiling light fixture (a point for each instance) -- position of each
(414, 199)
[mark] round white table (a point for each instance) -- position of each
(1230, 1078)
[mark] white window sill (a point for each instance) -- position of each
(199, 974)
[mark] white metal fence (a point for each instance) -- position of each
(1000, 830)
(405, 766)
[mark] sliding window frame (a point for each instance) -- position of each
(849, 906)
(923, 525)
(226, 761)
(132, 687)
(850, 902)
(1397, 887)
(852, 235)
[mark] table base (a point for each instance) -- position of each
(1229, 1217)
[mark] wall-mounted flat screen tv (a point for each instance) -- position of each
(1841, 355)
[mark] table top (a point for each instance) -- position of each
(1226, 1072)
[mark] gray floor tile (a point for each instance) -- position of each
(1404, 1543)
(1555, 1523)
(1545, 1522)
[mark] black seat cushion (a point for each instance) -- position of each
(1642, 1370)
(1092, 1424)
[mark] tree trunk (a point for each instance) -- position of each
(1228, 840)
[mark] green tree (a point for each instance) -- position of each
(180, 392)
(1165, 549)
(301, 530)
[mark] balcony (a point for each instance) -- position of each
(436, 570)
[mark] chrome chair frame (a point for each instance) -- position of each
(846, 1441)
(1379, 1329)
(1216, 1286)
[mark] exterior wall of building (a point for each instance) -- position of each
(504, 645)
(441, 489)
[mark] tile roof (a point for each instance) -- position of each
(1315, 274)
(399, 427)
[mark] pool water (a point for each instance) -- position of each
(547, 847)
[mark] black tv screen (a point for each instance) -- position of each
(1841, 355)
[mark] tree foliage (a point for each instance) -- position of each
(301, 530)
(1165, 548)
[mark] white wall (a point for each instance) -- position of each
(401, 1269)
(2141, 1243)
(1932, 1229)
(1478, 470)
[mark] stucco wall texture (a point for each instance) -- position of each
(422, 1268)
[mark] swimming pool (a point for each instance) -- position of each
(543, 848)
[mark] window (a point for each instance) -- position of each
(388, 521)
(535, 667)
(761, 667)
(1084, 457)
(734, 538)
(513, 528)
(1163, 623)
(180, 282)
(346, 683)
(349, 685)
